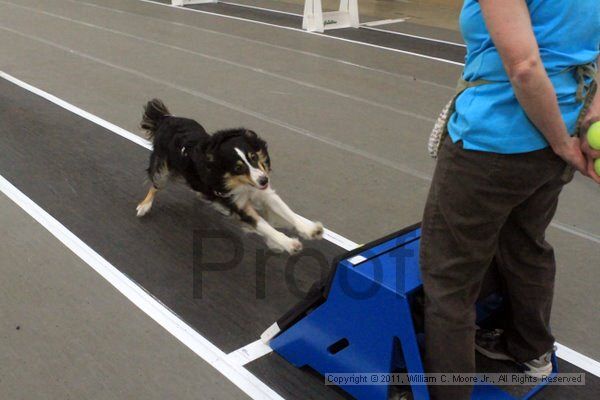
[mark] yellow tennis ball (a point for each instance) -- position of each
(593, 135)
(597, 166)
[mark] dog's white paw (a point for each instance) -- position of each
(293, 246)
(143, 209)
(289, 245)
(311, 230)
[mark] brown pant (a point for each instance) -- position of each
(484, 208)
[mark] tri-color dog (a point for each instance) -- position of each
(229, 168)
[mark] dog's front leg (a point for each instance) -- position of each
(306, 229)
(275, 240)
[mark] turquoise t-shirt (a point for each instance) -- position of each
(489, 117)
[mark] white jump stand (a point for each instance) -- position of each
(186, 2)
(315, 20)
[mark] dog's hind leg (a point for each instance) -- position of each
(159, 175)
(146, 204)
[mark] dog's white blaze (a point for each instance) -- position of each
(255, 173)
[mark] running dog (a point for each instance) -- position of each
(230, 169)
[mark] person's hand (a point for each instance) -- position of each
(570, 151)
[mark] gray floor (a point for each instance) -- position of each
(66, 333)
(347, 124)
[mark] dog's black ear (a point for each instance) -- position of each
(205, 154)
(255, 141)
(209, 158)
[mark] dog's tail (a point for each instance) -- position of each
(154, 112)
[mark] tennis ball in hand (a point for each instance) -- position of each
(597, 166)
(593, 135)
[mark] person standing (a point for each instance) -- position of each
(511, 148)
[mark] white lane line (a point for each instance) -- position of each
(576, 231)
(579, 360)
(382, 22)
(82, 113)
(569, 355)
(409, 53)
(270, 45)
(236, 373)
(304, 132)
(414, 36)
(249, 353)
(228, 62)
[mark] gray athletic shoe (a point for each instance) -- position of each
(539, 367)
(491, 343)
